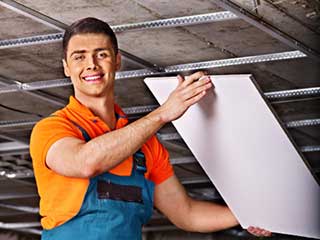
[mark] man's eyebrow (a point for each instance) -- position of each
(95, 50)
(102, 49)
(77, 52)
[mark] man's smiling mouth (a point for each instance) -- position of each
(92, 78)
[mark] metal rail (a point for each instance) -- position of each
(37, 94)
(182, 160)
(20, 208)
(177, 21)
(169, 69)
(19, 225)
(147, 109)
(293, 93)
(303, 123)
(139, 109)
(156, 24)
(8, 196)
(314, 148)
(9, 146)
(18, 123)
(29, 230)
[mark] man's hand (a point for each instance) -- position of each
(188, 92)
(259, 232)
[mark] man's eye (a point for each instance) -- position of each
(102, 55)
(78, 58)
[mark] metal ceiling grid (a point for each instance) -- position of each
(22, 87)
(304, 92)
(301, 21)
(268, 28)
(154, 70)
(162, 23)
(169, 70)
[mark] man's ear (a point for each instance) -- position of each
(118, 61)
(65, 68)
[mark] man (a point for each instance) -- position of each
(99, 177)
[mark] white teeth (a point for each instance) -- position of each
(92, 78)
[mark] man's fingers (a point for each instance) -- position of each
(266, 233)
(202, 81)
(195, 99)
(195, 90)
(259, 232)
(193, 77)
(180, 78)
(189, 91)
(209, 80)
(253, 231)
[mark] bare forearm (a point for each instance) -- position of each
(191, 215)
(106, 151)
(208, 217)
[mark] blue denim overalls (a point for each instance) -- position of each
(114, 207)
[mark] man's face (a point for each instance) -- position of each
(91, 64)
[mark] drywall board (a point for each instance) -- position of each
(248, 156)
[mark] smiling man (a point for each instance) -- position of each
(98, 176)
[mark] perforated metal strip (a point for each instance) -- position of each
(161, 23)
(175, 69)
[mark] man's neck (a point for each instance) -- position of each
(103, 107)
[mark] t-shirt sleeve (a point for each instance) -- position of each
(45, 133)
(162, 168)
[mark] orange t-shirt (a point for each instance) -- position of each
(61, 197)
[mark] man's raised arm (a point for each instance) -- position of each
(73, 157)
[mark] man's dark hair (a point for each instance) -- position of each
(88, 25)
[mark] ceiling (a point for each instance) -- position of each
(281, 39)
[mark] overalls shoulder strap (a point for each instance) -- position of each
(84, 133)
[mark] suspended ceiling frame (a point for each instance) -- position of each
(151, 69)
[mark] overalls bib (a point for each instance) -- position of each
(114, 207)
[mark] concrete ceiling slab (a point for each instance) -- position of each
(169, 47)
(239, 37)
(32, 63)
(178, 8)
(22, 102)
(114, 11)
(163, 47)
(303, 11)
(14, 25)
(133, 92)
(288, 18)
(287, 24)
(290, 111)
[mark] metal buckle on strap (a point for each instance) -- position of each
(140, 161)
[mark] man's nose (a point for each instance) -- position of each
(91, 63)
